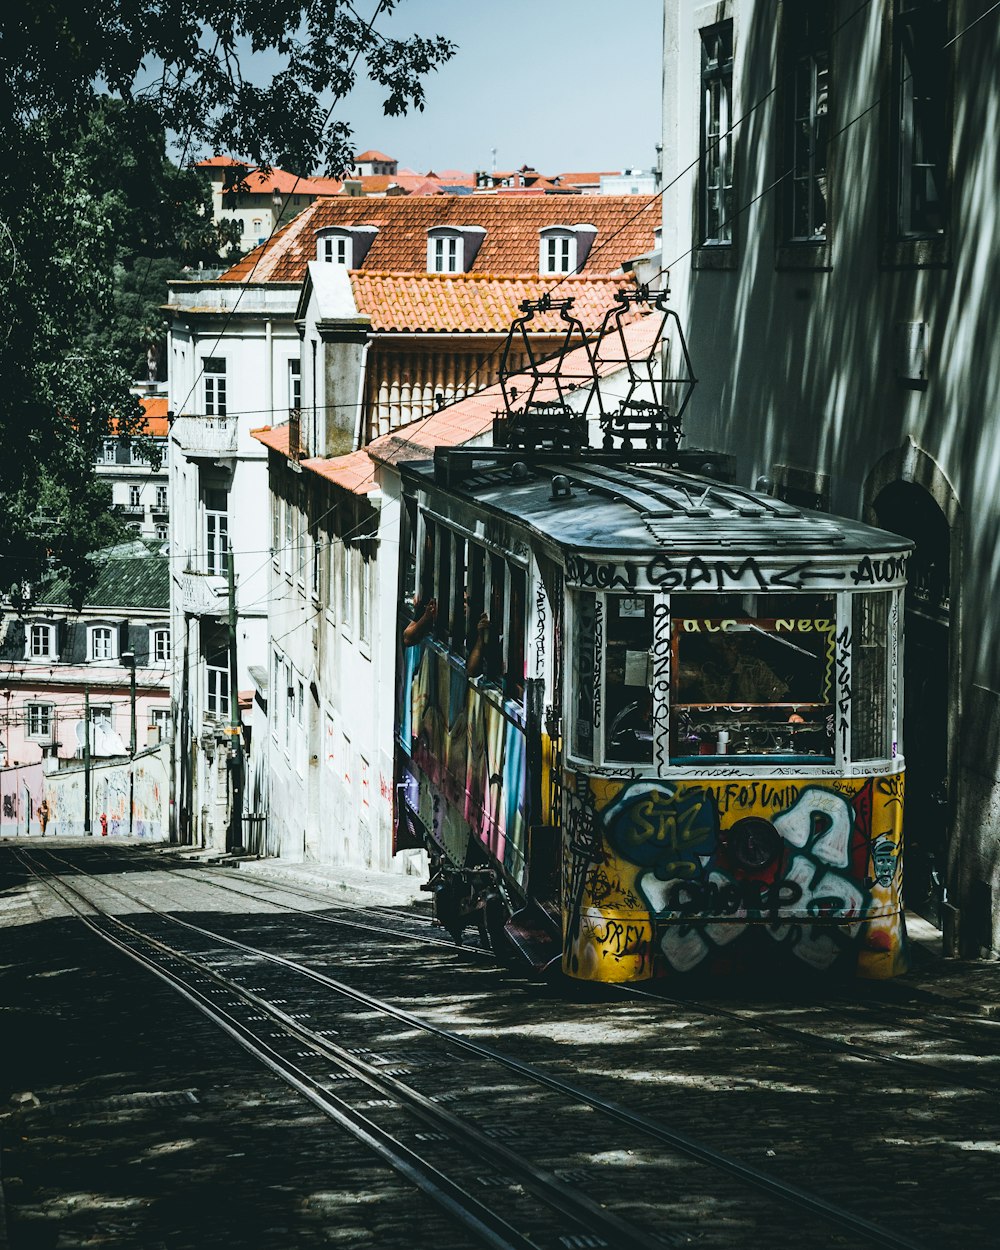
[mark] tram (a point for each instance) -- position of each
(649, 721)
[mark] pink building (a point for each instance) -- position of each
(54, 658)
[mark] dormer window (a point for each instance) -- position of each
(557, 253)
(344, 245)
(444, 254)
(335, 249)
(564, 249)
(40, 642)
(452, 249)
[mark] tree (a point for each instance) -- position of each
(63, 221)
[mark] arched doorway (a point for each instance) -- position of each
(904, 507)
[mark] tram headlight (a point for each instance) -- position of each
(753, 842)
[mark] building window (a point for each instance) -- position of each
(163, 532)
(216, 532)
(346, 563)
(159, 645)
(159, 718)
(40, 720)
(443, 253)
(41, 642)
(288, 549)
(294, 384)
(335, 249)
(161, 498)
(716, 200)
(217, 684)
(920, 125)
(316, 566)
(101, 716)
(557, 253)
(214, 375)
(365, 600)
(103, 642)
(133, 496)
(109, 451)
(807, 83)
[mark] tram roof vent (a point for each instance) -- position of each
(560, 488)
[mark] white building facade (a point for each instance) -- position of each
(234, 357)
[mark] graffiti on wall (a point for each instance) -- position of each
(696, 870)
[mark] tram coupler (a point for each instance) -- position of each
(461, 897)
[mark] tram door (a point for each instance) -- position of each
(910, 510)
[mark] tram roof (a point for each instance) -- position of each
(628, 506)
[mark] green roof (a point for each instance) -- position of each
(135, 574)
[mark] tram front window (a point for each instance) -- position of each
(628, 717)
(756, 684)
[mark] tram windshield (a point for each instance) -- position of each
(754, 682)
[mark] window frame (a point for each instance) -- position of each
(213, 377)
(92, 640)
(557, 251)
(217, 676)
(716, 83)
(51, 642)
(901, 248)
(445, 252)
(805, 41)
(157, 634)
(45, 714)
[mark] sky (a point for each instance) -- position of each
(558, 84)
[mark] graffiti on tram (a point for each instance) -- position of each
(686, 872)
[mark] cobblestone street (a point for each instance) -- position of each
(131, 1120)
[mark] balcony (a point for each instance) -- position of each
(206, 438)
(204, 594)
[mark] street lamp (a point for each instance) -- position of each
(128, 661)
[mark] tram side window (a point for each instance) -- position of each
(584, 641)
(410, 548)
(870, 729)
(476, 575)
(628, 716)
(752, 677)
(514, 684)
(459, 597)
(494, 638)
(426, 569)
(442, 623)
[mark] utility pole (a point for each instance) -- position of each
(86, 761)
(128, 661)
(234, 836)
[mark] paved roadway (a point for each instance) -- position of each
(128, 1121)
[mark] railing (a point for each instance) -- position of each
(204, 594)
(206, 437)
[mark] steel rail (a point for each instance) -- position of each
(478, 1219)
(705, 1154)
(559, 1196)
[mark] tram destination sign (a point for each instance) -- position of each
(770, 572)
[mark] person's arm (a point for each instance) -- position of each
(420, 626)
(475, 663)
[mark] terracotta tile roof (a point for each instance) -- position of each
(625, 229)
(372, 155)
(587, 178)
(468, 419)
(280, 180)
(474, 303)
(156, 424)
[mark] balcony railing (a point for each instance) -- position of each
(206, 437)
(204, 594)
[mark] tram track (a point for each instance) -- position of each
(750, 1017)
(168, 959)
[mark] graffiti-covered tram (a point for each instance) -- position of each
(651, 721)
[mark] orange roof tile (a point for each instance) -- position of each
(510, 245)
(258, 183)
(372, 155)
(458, 423)
(472, 303)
